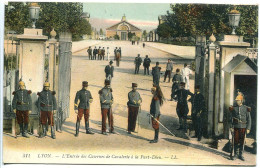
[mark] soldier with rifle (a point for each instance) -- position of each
(90, 53)
(22, 106)
(240, 126)
(134, 102)
(106, 101)
(47, 106)
(82, 106)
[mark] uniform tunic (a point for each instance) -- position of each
(138, 62)
(146, 65)
(155, 111)
(109, 70)
(156, 72)
(177, 79)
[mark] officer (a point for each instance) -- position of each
(106, 101)
(22, 106)
(99, 53)
(182, 106)
(138, 62)
(109, 70)
(134, 101)
(47, 105)
(146, 64)
(95, 52)
(168, 72)
(240, 125)
(156, 72)
(90, 53)
(82, 105)
(177, 79)
(198, 109)
(156, 102)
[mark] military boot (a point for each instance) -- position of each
(155, 136)
(241, 157)
(21, 129)
(77, 129)
(25, 132)
(87, 128)
(235, 152)
(43, 134)
(53, 136)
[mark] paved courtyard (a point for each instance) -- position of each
(121, 148)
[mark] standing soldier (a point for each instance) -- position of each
(168, 72)
(22, 106)
(134, 101)
(108, 53)
(83, 106)
(47, 104)
(146, 64)
(198, 109)
(99, 53)
(117, 58)
(95, 52)
(182, 106)
(103, 51)
(157, 101)
(109, 70)
(240, 126)
(143, 45)
(90, 53)
(115, 51)
(156, 72)
(177, 79)
(138, 62)
(106, 101)
(120, 51)
(185, 72)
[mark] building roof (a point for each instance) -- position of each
(132, 27)
(237, 60)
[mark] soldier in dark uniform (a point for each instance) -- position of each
(95, 52)
(138, 62)
(157, 101)
(109, 70)
(22, 106)
(106, 101)
(99, 53)
(47, 105)
(182, 106)
(177, 79)
(120, 52)
(143, 45)
(83, 107)
(134, 101)
(146, 64)
(115, 51)
(156, 72)
(90, 53)
(198, 109)
(103, 51)
(240, 125)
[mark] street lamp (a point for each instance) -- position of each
(34, 10)
(234, 18)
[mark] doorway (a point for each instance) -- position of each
(123, 35)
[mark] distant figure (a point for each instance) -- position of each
(95, 52)
(118, 58)
(185, 72)
(146, 64)
(120, 52)
(143, 45)
(99, 53)
(103, 51)
(156, 72)
(137, 42)
(138, 62)
(168, 72)
(177, 79)
(115, 51)
(109, 70)
(90, 53)
(108, 53)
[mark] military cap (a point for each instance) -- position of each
(111, 62)
(107, 82)
(157, 63)
(182, 83)
(138, 54)
(134, 84)
(21, 83)
(46, 84)
(85, 83)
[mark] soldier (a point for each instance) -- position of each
(134, 101)
(103, 51)
(240, 126)
(156, 72)
(138, 62)
(106, 101)
(168, 72)
(22, 106)
(146, 64)
(108, 53)
(90, 53)
(109, 70)
(198, 109)
(157, 101)
(118, 58)
(85, 98)
(47, 105)
(185, 72)
(115, 51)
(95, 52)
(177, 79)
(143, 45)
(182, 106)
(99, 53)
(120, 51)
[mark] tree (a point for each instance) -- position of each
(144, 34)
(101, 31)
(131, 35)
(164, 30)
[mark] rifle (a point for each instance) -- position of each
(232, 144)
(15, 134)
(140, 109)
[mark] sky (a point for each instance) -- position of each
(144, 16)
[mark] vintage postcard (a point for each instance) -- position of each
(133, 83)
